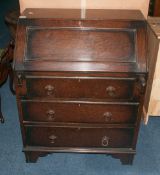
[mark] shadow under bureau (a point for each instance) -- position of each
(80, 82)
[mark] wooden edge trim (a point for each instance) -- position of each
(145, 116)
(80, 150)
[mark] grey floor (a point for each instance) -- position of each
(12, 160)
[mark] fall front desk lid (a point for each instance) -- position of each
(80, 45)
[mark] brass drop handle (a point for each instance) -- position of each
(49, 89)
(50, 114)
(105, 141)
(52, 138)
(107, 116)
(111, 91)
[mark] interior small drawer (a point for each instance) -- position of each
(79, 137)
(80, 87)
(79, 112)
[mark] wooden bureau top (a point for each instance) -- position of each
(97, 14)
(60, 40)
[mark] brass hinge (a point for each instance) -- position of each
(142, 84)
(20, 79)
(142, 81)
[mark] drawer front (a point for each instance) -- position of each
(102, 88)
(79, 112)
(79, 137)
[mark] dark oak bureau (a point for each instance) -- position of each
(80, 82)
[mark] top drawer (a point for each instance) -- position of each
(80, 87)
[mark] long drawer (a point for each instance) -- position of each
(79, 112)
(80, 87)
(79, 137)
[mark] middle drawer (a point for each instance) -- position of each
(79, 112)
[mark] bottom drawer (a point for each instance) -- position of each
(79, 137)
